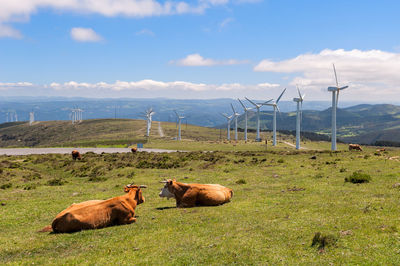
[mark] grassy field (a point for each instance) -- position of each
(282, 198)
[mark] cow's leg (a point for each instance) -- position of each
(188, 200)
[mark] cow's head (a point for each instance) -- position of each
(167, 190)
(137, 190)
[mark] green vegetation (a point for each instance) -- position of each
(276, 210)
(358, 177)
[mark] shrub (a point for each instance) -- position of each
(30, 186)
(56, 182)
(358, 177)
(323, 241)
(319, 175)
(97, 178)
(5, 186)
(342, 169)
(241, 182)
(281, 160)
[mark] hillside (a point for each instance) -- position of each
(361, 123)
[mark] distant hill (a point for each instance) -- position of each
(366, 124)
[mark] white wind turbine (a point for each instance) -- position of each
(246, 109)
(335, 98)
(31, 118)
(299, 102)
(149, 113)
(228, 121)
(275, 106)
(179, 124)
(235, 116)
(258, 106)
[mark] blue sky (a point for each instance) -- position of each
(199, 49)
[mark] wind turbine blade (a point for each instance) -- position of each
(225, 115)
(280, 96)
(244, 107)
(233, 109)
(267, 101)
(176, 113)
(302, 97)
(251, 101)
(344, 87)
(334, 70)
(337, 98)
(277, 108)
(298, 90)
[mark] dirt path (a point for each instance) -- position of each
(160, 130)
(28, 151)
(294, 146)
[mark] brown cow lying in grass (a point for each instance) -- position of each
(356, 147)
(76, 155)
(191, 195)
(95, 214)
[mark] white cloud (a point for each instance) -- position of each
(21, 10)
(198, 60)
(85, 35)
(225, 22)
(9, 32)
(9, 86)
(145, 32)
(371, 74)
(152, 86)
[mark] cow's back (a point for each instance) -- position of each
(213, 194)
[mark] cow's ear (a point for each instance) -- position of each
(126, 189)
(170, 182)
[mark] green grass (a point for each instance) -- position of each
(272, 219)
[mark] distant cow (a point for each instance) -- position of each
(190, 195)
(95, 214)
(381, 149)
(133, 150)
(76, 155)
(356, 147)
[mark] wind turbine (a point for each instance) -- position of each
(335, 98)
(299, 102)
(258, 106)
(235, 116)
(31, 118)
(228, 121)
(149, 113)
(275, 106)
(246, 109)
(179, 124)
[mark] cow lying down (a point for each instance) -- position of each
(94, 214)
(190, 195)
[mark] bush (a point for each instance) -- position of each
(56, 182)
(30, 186)
(241, 182)
(358, 177)
(281, 161)
(5, 186)
(319, 175)
(323, 241)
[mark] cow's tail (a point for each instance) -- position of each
(46, 229)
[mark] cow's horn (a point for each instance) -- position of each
(142, 186)
(165, 181)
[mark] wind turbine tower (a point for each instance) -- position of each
(31, 118)
(235, 116)
(258, 106)
(335, 98)
(228, 121)
(275, 106)
(149, 114)
(179, 124)
(246, 109)
(299, 102)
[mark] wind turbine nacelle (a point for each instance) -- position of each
(297, 100)
(332, 89)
